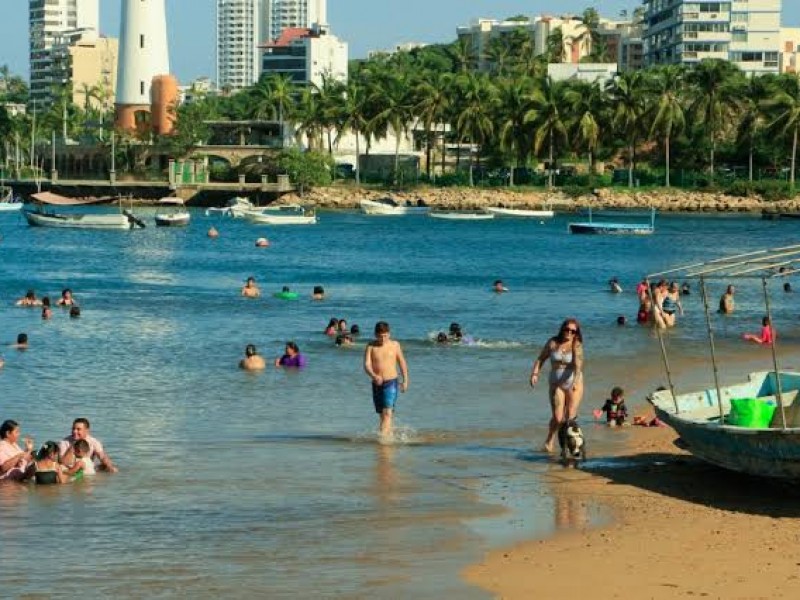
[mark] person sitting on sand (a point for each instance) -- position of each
(66, 298)
(318, 293)
(614, 286)
(291, 357)
(29, 299)
(498, 287)
(766, 337)
(250, 289)
(615, 409)
(252, 361)
(726, 302)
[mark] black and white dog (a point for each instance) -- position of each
(572, 442)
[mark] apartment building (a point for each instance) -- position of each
(306, 56)
(745, 32)
(49, 21)
(89, 63)
(290, 14)
(241, 27)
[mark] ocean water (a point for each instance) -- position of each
(273, 484)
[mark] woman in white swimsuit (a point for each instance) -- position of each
(565, 352)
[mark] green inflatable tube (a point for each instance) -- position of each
(286, 295)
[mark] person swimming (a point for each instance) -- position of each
(614, 286)
(498, 287)
(333, 325)
(318, 293)
(441, 338)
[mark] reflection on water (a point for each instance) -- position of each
(571, 513)
(274, 485)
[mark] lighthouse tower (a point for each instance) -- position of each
(143, 55)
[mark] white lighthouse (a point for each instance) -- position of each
(143, 55)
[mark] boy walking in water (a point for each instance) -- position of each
(381, 359)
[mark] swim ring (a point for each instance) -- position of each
(287, 295)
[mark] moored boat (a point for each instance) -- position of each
(390, 207)
(287, 214)
(462, 215)
(39, 217)
(178, 216)
(602, 227)
(9, 203)
(236, 208)
(521, 213)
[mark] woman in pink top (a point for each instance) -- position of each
(767, 335)
(16, 464)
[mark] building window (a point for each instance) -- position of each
(141, 88)
(141, 41)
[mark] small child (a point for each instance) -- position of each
(766, 337)
(615, 409)
(47, 311)
(48, 470)
(84, 465)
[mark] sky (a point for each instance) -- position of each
(365, 24)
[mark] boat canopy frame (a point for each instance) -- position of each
(763, 265)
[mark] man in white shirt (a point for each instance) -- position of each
(80, 431)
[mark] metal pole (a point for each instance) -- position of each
(33, 136)
(713, 349)
(663, 347)
(778, 385)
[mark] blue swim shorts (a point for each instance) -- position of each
(384, 396)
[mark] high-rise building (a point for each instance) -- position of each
(143, 56)
(306, 56)
(49, 20)
(745, 32)
(241, 27)
(291, 14)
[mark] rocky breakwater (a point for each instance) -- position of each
(336, 197)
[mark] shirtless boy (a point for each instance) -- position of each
(381, 359)
(250, 289)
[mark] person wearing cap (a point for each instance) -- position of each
(250, 289)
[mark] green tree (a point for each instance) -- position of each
(548, 120)
(392, 111)
(587, 105)
(555, 46)
(785, 109)
(753, 92)
(668, 118)
(475, 112)
(306, 169)
(432, 102)
(353, 118)
(513, 103)
(627, 95)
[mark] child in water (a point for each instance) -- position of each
(84, 465)
(766, 337)
(615, 409)
(48, 470)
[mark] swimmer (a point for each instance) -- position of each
(686, 290)
(252, 361)
(29, 299)
(291, 357)
(66, 298)
(766, 337)
(614, 286)
(355, 330)
(262, 243)
(455, 332)
(441, 338)
(621, 320)
(344, 339)
(318, 293)
(498, 287)
(47, 312)
(381, 360)
(213, 233)
(333, 325)
(74, 312)
(787, 287)
(341, 327)
(250, 289)
(22, 342)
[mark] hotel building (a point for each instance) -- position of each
(241, 27)
(50, 22)
(744, 32)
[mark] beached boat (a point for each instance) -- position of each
(8, 203)
(706, 421)
(287, 214)
(520, 213)
(175, 214)
(236, 208)
(600, 226)
(462, 215)
(40, 217)
(390, 207)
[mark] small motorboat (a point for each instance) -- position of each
(176, 214)
(390, 207)
(9, 203)
(40, 217)
(462, 215)
(616, 227)
(236, 208)
(287, 214)
(520, 213)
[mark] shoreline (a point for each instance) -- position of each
(734, 530)
(348, 197)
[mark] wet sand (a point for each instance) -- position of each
(680, 528)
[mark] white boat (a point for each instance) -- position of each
(462, 215)
(287, 214)
(750, 426)
(595, 227)
(9, 203)
(520, 212)
(390, 207)
(39, 217)
(236, 208)
(178, 216)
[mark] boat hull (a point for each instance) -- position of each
(370, 207)
(520, 213)
(10, 206)
(610, 228)
(462, 216)
(267, 219)
(78, 221)
(180, 220)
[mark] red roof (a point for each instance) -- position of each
(288, 35)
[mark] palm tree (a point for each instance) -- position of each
(475, 114)
(546, 116)
(785, 108)
(309, 118)
(463, 54)
(433, 100)
(714, 98)
(627, 95)
(330, 96)
(393, 111)
(282, 93)
(555, 46)
(353, 118)
(753, 92)
(669, 118)
(512, 106)
(587, 103)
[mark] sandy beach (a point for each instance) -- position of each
(678, 528)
